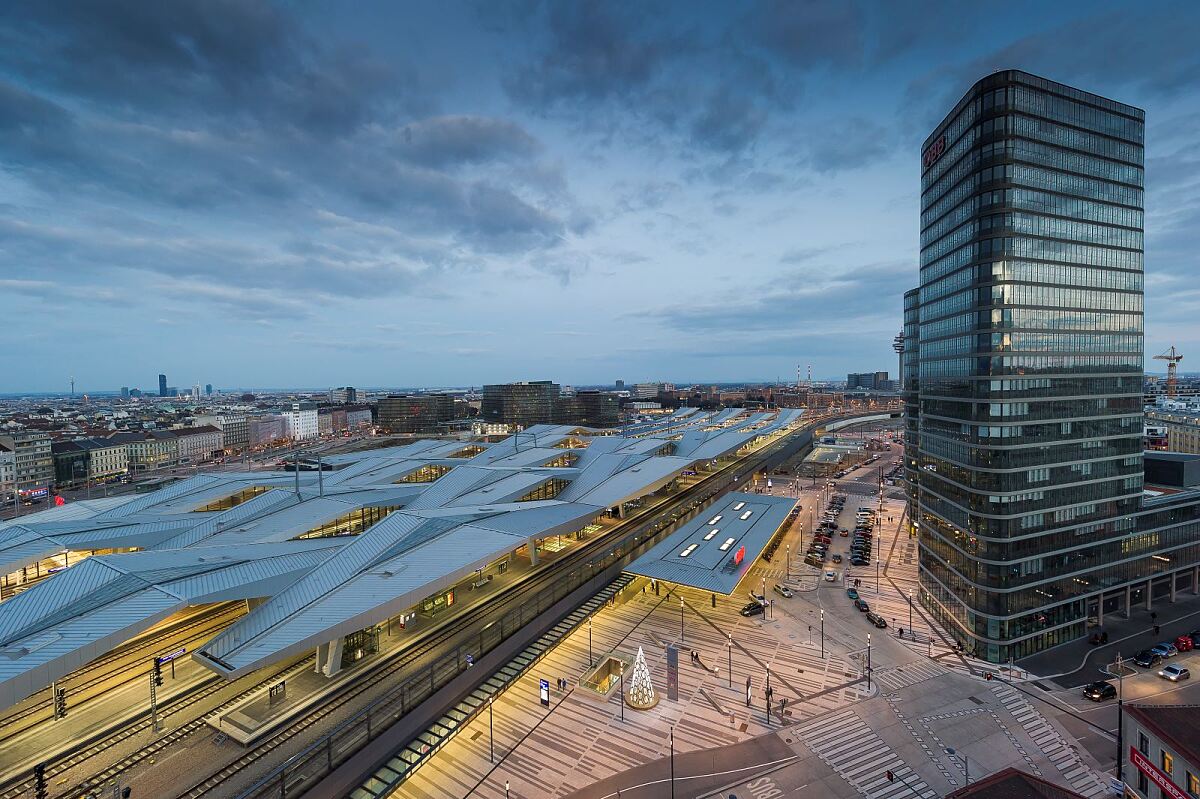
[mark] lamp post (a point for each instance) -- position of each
(966, 766)
(910, 627)
(878, 553)
(787, 554)
(622, 697)
(681, 620)
(672, 731)
(868, 661)
(822, 633)
(729, 649)
(491, 734)
(591, 661)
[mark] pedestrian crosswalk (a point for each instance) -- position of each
(848, 746)
(1050, 742)
(899, 677)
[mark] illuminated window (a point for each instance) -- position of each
(1193, 784)
(233, 501)
(1167, 761)
(689, 549)
(712, 533)
(747, 515)
(728, 543)
(426, 474)
(351, 523)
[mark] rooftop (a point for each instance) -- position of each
(1178, 725)
(1009, 783)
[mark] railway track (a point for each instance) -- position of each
(96, 678)
(437, 640)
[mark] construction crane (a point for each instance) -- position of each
(1171, 357)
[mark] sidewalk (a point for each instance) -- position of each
(1076, 663)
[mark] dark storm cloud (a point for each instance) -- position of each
(846, 144)
(460, 140)
(808, 33)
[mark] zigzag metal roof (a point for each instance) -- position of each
(315, 590)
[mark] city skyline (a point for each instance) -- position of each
(434, 195)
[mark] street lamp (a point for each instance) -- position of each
(729, 649)
(868, 661)
(822, 633)
(491, 734)
(910, 626)
(681, 620)
(622, 697)
(878, 554)
(966, 766)
(672, 732)
(787, 554)
(591, 661)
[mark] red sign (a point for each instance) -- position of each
(930, 156)
(1156, 775)
(58, 500)
(741, 553)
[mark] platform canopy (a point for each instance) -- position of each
(330, 552)
(714, 551)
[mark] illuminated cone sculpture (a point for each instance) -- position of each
(640, 693)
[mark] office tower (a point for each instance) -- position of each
(346, 395)
(1029, 464)
(419, 413)
(124, 392)
(872, 381)
(208, 389)
(162, 386)
(521, 404)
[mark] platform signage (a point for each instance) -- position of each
(544, 689)
(167, 658)
(277, 692)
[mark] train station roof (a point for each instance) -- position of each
(716, 549)
(327, 552)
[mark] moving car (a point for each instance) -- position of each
(831, 577)
(753, 609)
(1147, 658)
(851, 593)
(1174, 673)
(838, 559)
(876, 619)
(1099, 691)
(783, 591)
(862, 606)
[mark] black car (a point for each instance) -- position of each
(1147, 659)
(1099, 691)
(862, 606)
(753, 609)
(877, 620)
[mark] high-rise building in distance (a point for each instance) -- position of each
(1028, 455)
(162, 386)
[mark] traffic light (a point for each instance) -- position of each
(39, 781)
(60, 703)
(157, 672)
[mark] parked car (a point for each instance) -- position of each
(1174, 673)
(753, 609)
(877, 620)
(851, 593)
(1166, 649)
(1147, 658)
(1099, 691)
(1184, 643)
(862, 606)
(783, 591)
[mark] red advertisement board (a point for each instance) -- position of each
(741, 553)
(1156, 775)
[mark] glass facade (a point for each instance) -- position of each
(1023, 371)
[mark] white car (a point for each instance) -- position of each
(830, 576)
(1174, 673)
(783, 591)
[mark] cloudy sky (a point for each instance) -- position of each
(407, 194)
